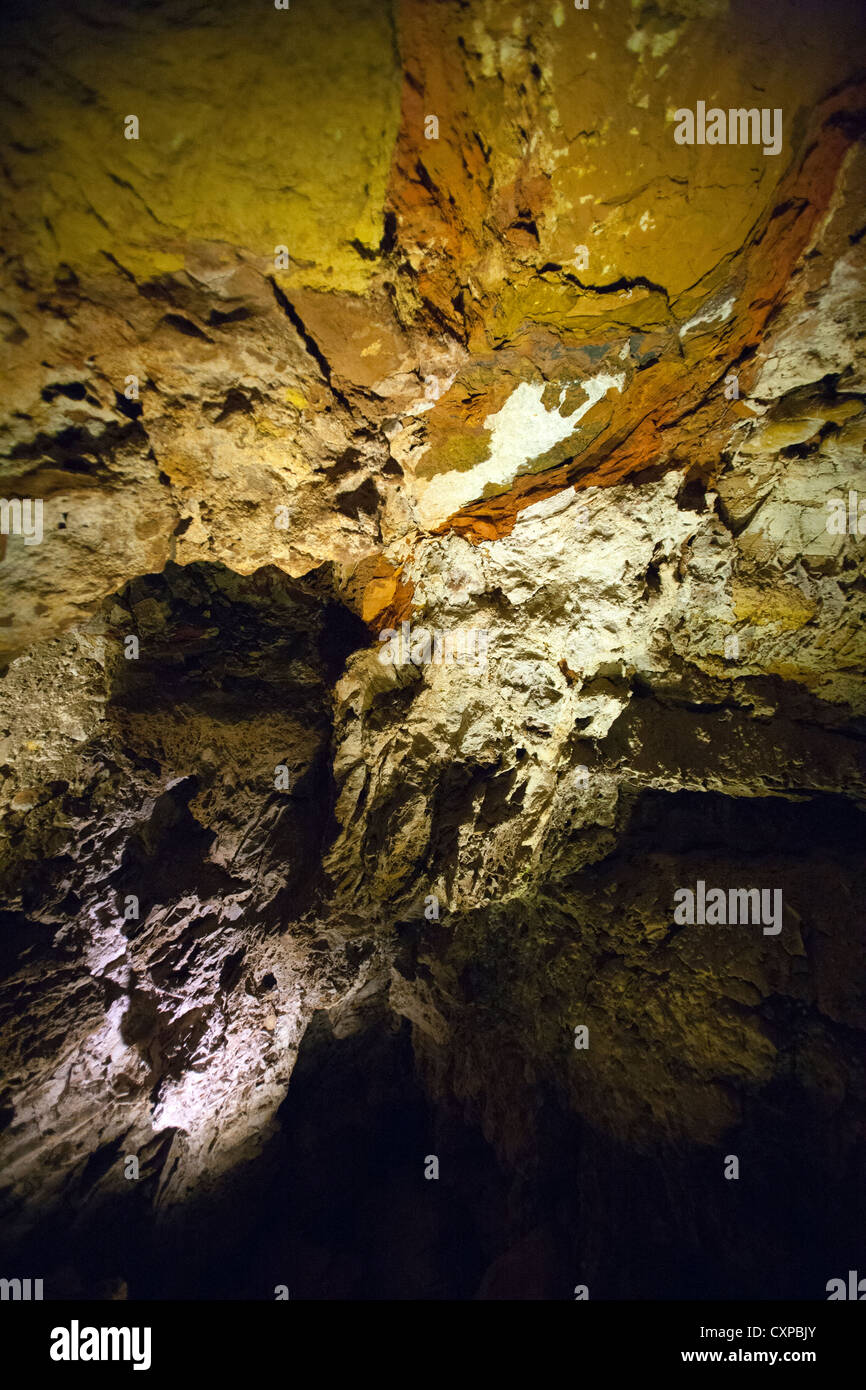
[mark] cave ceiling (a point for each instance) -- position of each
(451, 501)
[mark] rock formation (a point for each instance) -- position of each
(434, 512)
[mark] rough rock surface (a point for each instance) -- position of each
(476, 387)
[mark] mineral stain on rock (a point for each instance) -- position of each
(411, 317)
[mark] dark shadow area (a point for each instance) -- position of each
(350, 1213)
(337, 1207)
(205, 633)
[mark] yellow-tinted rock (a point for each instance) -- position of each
(782, 605)
(250, 133)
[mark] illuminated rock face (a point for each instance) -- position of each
(451, 516)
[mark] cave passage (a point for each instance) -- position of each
(432, 652)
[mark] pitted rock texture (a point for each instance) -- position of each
(454, 510)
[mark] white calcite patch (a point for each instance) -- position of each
(521, 431)
(719, 314)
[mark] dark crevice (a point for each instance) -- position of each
(308, 340)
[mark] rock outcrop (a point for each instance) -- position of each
(441, 510)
